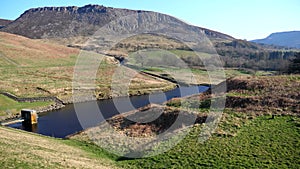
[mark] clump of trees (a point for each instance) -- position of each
(294, 66)
(244, 54)
(237, 54)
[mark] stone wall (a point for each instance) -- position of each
(58, 103)
(33, 99)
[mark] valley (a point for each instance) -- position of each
(211, 100)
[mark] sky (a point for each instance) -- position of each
(242, 19)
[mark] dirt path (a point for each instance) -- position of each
(19, 148)
(9, 60)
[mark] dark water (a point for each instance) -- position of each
(63, 122)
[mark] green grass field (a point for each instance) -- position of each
(175, 64)
(258, 143)
(261, 143)
(198, 76)
(11, 107)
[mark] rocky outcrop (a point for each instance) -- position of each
(58, 22)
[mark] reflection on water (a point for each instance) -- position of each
(30, 127)
(63, 122)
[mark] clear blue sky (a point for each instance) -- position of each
(243, 19)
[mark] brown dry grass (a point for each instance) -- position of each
(265, 94)
(144, 125)
(26, 51)
(36, 68)
(259, 95)
(125, 46)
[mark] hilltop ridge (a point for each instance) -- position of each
(50, 22)
(287, 39)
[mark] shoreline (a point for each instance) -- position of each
(59, 104)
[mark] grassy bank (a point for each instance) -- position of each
(260, 143)
(11, 107)
(21, 149)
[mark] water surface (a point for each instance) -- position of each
(63, 122)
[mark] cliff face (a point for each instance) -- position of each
(60, 21)
(57, 22)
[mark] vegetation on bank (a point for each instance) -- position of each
(260, 143)
(10, 108)
(233, 53)
(248, 136)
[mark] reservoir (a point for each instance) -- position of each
(63, 122)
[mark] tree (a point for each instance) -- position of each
(294, 66)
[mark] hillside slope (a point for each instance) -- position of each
(33, 68)
(287, 39)
(21, 51)
(30, 68)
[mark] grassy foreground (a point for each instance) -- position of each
(262, 143)
(259, 143)
(19, 149)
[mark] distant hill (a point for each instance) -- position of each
(287, 39)
(4, 22)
